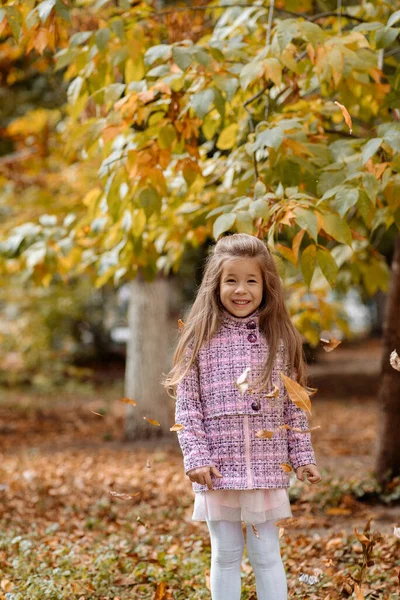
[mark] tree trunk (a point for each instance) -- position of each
(146, 360)
(388, 459)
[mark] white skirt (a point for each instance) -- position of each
(250, 506)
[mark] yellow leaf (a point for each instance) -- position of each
(128, 401)
(286, 468)
(331, 344)
(296, 244)
(264, 434)
(227, 137)
(152, 421)
(274, 393)
(346, 115)
(181, 324)
(176, 427)
(297, 393)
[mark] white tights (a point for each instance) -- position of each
(227, 546)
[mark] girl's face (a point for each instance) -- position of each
(241, 286)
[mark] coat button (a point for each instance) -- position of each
(252, 337)
(255, 406)
(251, 325)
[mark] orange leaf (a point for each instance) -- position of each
(297, 429)
(286, 468)
(297, 393)
(128, 401)
(152, 421)
(346, 115)
(331, 344)
(296, 243)
(264, 434)
(255, 530)
(96, 413)
(274, 393)
(358, 592)
(176, 427)
(181, 324)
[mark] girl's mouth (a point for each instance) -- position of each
(241, 302)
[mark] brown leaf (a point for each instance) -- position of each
(128, 401)
(6, 585)
(122, 495)
(346, 115)
(297, 393)
(177, 427)
(297, 429)
(96, 413)
(254, 528)
(330, 344)
(286, 468)
(152, 421)
(358, 592)
(181, 324)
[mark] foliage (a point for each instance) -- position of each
(231, 120)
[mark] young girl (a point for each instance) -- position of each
(239, 326)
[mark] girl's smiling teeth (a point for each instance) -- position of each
(243, 302)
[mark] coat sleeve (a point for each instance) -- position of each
(299, 444)
(189, 413)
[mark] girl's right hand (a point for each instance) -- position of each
(202, 475)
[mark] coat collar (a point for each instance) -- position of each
(232, 322)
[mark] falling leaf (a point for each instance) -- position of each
(286, 468)
(330, 344)
(128, 401)
(96, 413)
(311, 391)
(181, 324)
(298, 430)
(396, 532)
(139, 520)
(274, 393)
(297, 393)
(255, 530)
(264, 434)
(395, 360)
(123, 496)
(346, 115)
(148, 465)
(152, 421)
(281, 532)
(242, 382)
(358, 592)
(176, 427)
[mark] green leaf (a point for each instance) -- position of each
(244, 222)
(370, 148)
(155, 52)
(182, 57)
(113, 92)
(307, 219)
(102, 38)
(308, 263)
(364, 207)
(80, 38)
(138, 221)
(259, 208)
(271, 138)
(327, 265)
(202, 101)
(250, 73)
(14, 20)
(345, 199)
(371, 186)
(394, 17)
(166, 136)
(259, 189)
(150, 201)
(227, 137)
(287, 29)
(45, 8)
(223, 223)
(386, 36)
(226, 84)
(337, 228)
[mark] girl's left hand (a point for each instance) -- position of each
(313, 475)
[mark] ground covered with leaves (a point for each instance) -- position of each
(84, 515)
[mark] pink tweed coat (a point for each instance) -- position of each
(219, 421)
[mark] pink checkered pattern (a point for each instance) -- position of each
(219, 422)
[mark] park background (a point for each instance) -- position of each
(132, 135)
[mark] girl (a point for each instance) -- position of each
(239, 327)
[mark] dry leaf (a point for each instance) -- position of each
(358, 592)
(346, 115)
(396, 532)
(123, 496)
(264, 434)
(148, 465)
(274, 393)
(330, 344)
(177, 427)
(286, 468)
(281, 532)
(181, 324)
(298, 430)
(395, 360)
(6, 585)
(96, 413)
(242, 381)
(152, 421)
(128, 401)
(255, 530)
(297, 393)
(311, 391)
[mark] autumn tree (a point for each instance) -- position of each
(276, 120)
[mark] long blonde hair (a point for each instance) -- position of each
(205, 314)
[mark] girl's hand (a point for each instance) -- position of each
(311, 471)
(202, 475)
